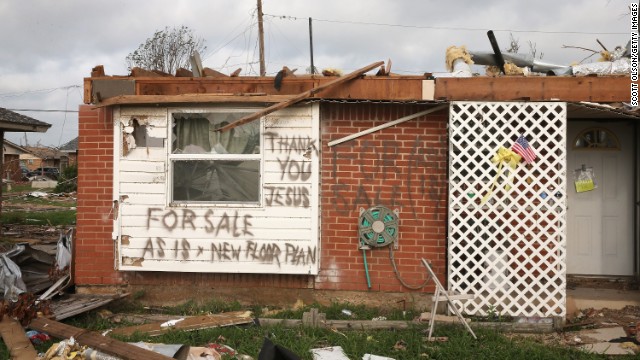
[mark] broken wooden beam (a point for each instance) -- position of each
(341, 324)
(386, 125)
(189, 324)
(297, 98)
(192, 98)
(94, 340)
(16, 340)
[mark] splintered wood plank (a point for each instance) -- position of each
(93, 339)
(189, 324)
(76, 304)
(302, 96)
(19, 345)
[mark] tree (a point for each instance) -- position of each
(68, 180)
(514, 47)
(167, 50)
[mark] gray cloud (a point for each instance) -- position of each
(52, 45)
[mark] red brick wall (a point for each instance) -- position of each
(94, 255)
(402, 167)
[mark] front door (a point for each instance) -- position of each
(600, 221)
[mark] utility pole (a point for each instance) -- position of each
(313, 69)
(263, 71)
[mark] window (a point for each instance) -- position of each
(596, 138)
(209, 166)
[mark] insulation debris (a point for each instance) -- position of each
(454, 53)
(331, 72)
(509, 68)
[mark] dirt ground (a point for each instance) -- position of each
(22, 201)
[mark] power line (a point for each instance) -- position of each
(50, 90)
(46, 110)
(447, 27)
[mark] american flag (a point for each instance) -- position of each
(522, 148)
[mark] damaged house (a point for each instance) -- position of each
(337, 187)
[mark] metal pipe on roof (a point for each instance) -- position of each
(521, 60)
(497, 54)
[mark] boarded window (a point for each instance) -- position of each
(209, 166)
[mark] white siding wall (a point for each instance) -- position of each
(278, 236)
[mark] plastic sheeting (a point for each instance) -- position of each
(618, 67)
(11, 283)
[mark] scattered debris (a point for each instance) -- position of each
(74, 304)
(400, 345)
(37, 337)
(375, 357)
(329, 353)
(437, 339)
(458, 61)
(313, 318)
(25, 308)
(92, 339)
(331, 72)
(271, 351)
(171, 323)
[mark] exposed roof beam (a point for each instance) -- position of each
(192, 98)
(302, 96)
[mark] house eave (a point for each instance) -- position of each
(16, 127)
(160, 90)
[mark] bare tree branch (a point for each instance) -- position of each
(167, 50)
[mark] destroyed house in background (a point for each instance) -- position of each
(234, 188)
(13, 122)
(11, 166)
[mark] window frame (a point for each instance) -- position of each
(172, 158)
(594, 129)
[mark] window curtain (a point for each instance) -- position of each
(192, 131)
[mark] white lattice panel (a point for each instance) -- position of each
(510, 248)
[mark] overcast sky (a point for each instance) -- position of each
(48, 47)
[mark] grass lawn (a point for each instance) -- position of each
(406, 344)
(21, 209)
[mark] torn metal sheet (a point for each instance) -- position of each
(26, 269)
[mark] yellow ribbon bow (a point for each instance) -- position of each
(503, 156)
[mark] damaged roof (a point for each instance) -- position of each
(584, 93)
